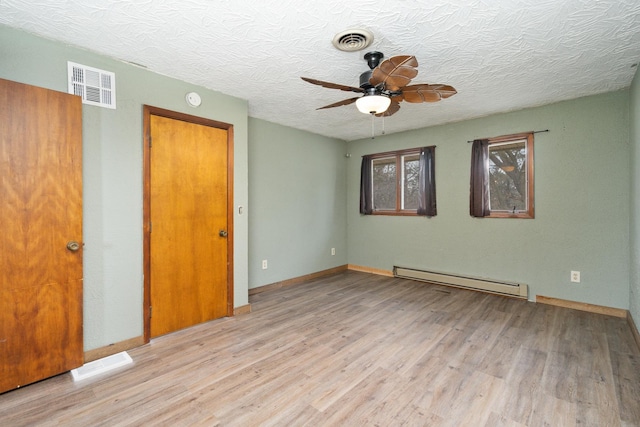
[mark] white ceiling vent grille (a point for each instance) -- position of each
(352, 40)
(96, 87)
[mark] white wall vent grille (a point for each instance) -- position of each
(96, 87)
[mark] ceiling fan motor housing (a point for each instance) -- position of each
(373, 60)
(364, 79)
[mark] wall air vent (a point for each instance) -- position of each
(96, 87)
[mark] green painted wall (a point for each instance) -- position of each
(634, 292)
(112, 172)
(297, 195)
(582, 179)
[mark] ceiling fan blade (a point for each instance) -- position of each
(427, 93)
(340, 103)
(395, 72)
(393, 108)
(333, 85)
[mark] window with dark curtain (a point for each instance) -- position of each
(479, 192)
(426, 185)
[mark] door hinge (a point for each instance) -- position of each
(150, 226)
(150, 141)
(150, 311)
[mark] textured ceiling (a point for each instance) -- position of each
(500, 55)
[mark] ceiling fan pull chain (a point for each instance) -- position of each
(373, 130)
(383, 124)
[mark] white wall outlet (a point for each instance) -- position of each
(264, 264)
(575, 276)
(333, 251)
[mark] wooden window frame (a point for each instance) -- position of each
(398, 154)
(529, 213)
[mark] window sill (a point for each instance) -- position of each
(521, 215)
(395, 213)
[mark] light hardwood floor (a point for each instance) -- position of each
(360, 349)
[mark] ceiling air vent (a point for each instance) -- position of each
(96, 87)
(352, 40)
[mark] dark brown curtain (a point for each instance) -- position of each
(479, 193)
(366, 187)
(427, 182)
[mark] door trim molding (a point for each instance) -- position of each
(148, 111)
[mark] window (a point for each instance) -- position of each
(503, 188)
(395, 183)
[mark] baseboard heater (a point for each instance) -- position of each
(518, 290)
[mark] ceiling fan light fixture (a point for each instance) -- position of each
(373, 104)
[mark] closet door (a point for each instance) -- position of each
(41, 238)
(190, 235)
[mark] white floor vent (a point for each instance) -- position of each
(96, 87)
(518, 290)
(101, 366)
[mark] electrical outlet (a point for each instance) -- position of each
(264, 264)
(575, 276)
(333, 251)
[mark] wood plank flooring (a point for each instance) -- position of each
(359, 349)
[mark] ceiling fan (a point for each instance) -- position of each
(384, 86)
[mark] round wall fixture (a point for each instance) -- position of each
(193, 99)
(352, 40)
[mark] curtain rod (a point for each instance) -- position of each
(535, 131)
(403, 151)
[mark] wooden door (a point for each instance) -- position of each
(41, 212)
(189, 227)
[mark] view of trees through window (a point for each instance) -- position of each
(386, 185)
(508, 176)
(410, 181)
